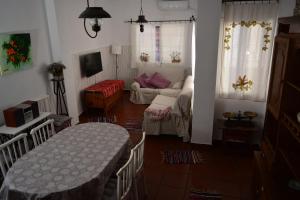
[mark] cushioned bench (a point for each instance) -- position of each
(103, 94)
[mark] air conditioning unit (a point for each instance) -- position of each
(173, 4)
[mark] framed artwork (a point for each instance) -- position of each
(15, 52)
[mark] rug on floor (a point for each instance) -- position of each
(196, 194)
(182, 157)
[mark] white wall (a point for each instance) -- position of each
(209, 14)
(74, 40)
(124, 10)
(285, 9)
(17, 17)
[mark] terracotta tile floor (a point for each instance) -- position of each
(226, 169)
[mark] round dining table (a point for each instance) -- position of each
(74, 164)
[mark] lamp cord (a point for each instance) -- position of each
(141, 12)
(88, 3)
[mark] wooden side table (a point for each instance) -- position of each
(237, 130)
(60, 122)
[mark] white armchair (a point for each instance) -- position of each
(180, 115)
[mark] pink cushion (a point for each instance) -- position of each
(143, 80)
(158, 81)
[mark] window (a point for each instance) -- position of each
(162, 43)
(247, 50)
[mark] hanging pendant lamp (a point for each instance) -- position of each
(94, 13)
(141, 19)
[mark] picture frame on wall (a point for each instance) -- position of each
(15, 52)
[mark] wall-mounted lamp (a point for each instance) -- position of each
(94, 13)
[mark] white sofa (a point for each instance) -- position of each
(180, 115)
(175, 74)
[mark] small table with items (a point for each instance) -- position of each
(238, 127)
(10, 132)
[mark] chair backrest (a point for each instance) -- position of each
(11, 151)
(138, 155)
(125, 179)
(42, 132)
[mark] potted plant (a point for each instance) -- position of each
(175, 57)
(57, 70)
(144, 57)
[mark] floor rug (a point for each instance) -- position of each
(182, 157)
(196, 194)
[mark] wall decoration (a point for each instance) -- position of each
(243, 84)
(248, 24)
(175, 57)
(144, 57)
(15, 52)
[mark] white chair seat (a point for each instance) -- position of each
(119, 188)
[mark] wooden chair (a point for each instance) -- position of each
(120, 187)
(11, 151)
(43, 132)
(138, 172)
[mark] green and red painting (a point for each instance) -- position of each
(15, 52)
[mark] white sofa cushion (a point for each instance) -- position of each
(172, 73)
(164, 101)
(169, 92)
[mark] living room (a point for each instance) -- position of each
(57, 35)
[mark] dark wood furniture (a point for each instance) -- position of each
(278, 162)
(94, 97)
(237, 130)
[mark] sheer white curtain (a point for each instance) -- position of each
(173, 42)
(247, 50)
(142, 43)
(161, 42)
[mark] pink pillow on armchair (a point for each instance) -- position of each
(143, 80)
(158, 81)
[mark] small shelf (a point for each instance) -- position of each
(292, 125)
(289, 20)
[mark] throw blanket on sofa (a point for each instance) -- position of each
(107, 87)
(159, 114)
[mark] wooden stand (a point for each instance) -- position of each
(59, 91)
(237, 130)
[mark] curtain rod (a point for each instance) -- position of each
(254, 1)
(192, 19)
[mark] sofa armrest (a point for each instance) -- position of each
(135, 86)
(184, 99)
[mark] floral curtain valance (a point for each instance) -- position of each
(267, 26)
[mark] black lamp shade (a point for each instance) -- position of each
(141, 19)
(94, 12)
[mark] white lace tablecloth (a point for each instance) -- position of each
(73, 164)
